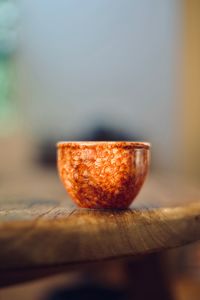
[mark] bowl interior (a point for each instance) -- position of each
(110, 144)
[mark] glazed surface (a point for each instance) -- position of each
(103, 175)
(111, 144)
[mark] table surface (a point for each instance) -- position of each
(40, 227)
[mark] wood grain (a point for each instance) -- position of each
(48, 231)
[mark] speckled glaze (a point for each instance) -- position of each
(103, 174)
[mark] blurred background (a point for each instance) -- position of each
(99, 70)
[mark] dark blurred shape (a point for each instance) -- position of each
(47, 150)
(147, 279)
(46, 154)
(143, 278)
(105, 133)
(87, 292)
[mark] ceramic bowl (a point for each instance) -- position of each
(103, 174)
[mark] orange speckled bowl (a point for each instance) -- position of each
(103, 174)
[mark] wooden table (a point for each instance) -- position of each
(41, 232)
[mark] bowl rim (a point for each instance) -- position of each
(123, 144)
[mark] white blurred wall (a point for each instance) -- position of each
(104, 60)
